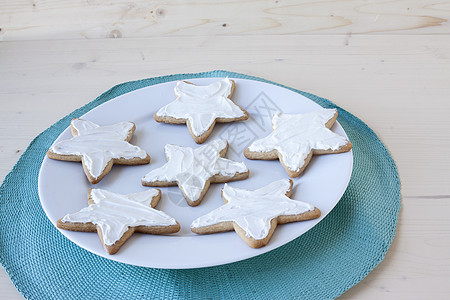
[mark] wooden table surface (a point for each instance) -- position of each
(387, 62)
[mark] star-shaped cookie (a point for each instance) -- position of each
(194, 169)
(297, 137)
(99, 147)
(116, 217)
(254, 215)
(200, 107)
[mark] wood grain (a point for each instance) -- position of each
(387, 62)
(76, 19)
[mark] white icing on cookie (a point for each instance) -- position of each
(202, 105)
(254, 210)
(294, 136)
(191, 168)
(114, 214)
(98, 145)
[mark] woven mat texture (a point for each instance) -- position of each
(321, 264)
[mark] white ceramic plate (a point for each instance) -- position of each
(63, 186)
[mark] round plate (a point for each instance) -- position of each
(63, 185)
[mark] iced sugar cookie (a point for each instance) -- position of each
(116, 217)
(194, 169)
(200, 107)
(254, 215)
(99, 147)
(297, 137)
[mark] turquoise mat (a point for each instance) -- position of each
(321, 264)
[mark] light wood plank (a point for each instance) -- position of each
(397, 84)
(7, 289)
(75, 19)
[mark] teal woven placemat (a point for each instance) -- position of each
(321, 264)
